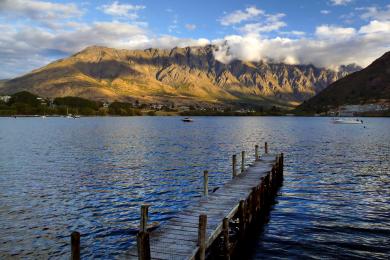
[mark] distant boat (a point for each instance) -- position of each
(347, 121)
(43, 116)
(76, 116)
(187, 119)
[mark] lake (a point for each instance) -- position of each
(58, 175)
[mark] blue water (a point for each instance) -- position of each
(58, 175)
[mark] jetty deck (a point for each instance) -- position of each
(214, 218)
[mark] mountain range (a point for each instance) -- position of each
(370, 85)
(180, 75)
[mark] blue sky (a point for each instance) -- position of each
(326, 33)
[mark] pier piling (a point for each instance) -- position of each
(234, 166)
(143, 245)
(202, 236)
(75, 245)
(205, 183)
(242, 161)
(144, 217)
(234, 211)
(225, 232)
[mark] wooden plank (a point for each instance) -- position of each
(178, 238)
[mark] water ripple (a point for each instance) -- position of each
(92, 175)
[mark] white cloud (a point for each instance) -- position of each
(42, 11)
(374, 12)
(25, 48)
(262, 27)
(260, 21)
(376, 27)
(24, 45)
(331, 46)
(239, 16)
(293, 33)
(168, 41)
(334, 33)
(325, 12)
(340, 2)
(190, 26)
(122, 10)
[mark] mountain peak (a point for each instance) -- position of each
(365, 86)
(189, 74)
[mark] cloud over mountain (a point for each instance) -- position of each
(41, 31)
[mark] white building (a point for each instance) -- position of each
(5, 98)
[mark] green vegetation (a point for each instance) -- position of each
(77, 105)
(25, 103)
(123, 109)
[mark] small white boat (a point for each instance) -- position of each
(347, 121)
(76, 116)
(187, 119)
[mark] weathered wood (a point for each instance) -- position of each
(225, 232)
(234, 165)
(75, 245)
(205, 183)
(143, 245)
(266, 148)
(202, 236)
(256, 152)
(242, 161)
(241, 217)
(242, 197)
(144, 217)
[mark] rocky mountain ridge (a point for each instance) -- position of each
(183, 75)
(367, 86)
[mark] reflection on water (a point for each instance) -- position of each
(58, 175)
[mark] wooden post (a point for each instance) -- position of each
(225, 232)
(202, 236)
(143, 245)
(254, 201)
(282, 163)
(265, 147)
(205, 183)
(256, 152)
(262, 194)
(242, 161)
(272, 178)
(144, 217)
(241, 217)
(234, 163)
(248, 208)
(75, 245)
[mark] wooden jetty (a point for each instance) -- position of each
(217, 225)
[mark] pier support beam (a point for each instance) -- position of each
(225, 233)
(144, 217)
(242, 161)
(266, 148)
(241, 219)
(234, 165)
(143, 245)
(205, 183)
(75, 245)
(256, 152)
(202, 236)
